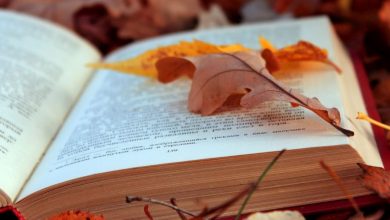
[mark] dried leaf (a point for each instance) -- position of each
(76, 215)
(376, 179)
(144, 64)
(218, 76)
(276, 215)
(272, 63)
(301, 51)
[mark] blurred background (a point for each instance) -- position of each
(363, 25)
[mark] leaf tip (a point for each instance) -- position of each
(361, 115)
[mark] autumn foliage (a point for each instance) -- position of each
(144, 64)
(218, 76)
(301, 51)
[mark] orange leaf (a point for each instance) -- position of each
(272, 63)
(76, 215)
(266, 44)
(376, 179)
(144, 64)
(301, 51)
(218, 76)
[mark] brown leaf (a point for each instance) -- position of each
(272, 62)
(376, 179)
(218, 76)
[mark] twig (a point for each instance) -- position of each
(130, 199)
(332, 173)
(173, 202)
(261, 177)
(222, 207)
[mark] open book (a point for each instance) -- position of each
(71, 138)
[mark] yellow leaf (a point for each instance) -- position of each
(144, 64)
(266, 44)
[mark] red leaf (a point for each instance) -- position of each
(376, 179)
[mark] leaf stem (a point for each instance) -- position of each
(261, 177)
(130, 199)
(365, 117)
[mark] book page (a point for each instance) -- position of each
(363, 140)
(42, 73)
(124, 121)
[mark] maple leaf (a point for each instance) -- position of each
(76, 215)
(301, 51)
(218, 76)
(376, 179)
(144, 64)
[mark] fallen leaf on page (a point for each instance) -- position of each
(218, 76)
(144, 64)
(301, 51)
(376, 179)
(276, 215)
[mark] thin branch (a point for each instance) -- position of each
(332, 173)
(130, 199)
(261, 177)
(173, 202)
